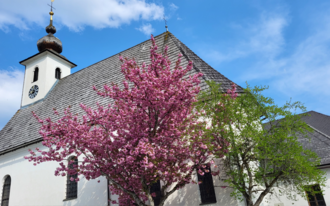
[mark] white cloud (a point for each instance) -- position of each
(173, 7)
(146, 29)
(308, 68)
(11, 84)
(298, 71)
(76, 14)
(170, 11)
(262, 37)
(303, 71)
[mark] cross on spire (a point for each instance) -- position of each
(165, 23)
(51, 6)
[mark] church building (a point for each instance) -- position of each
(48, 84)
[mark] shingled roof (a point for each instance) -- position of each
(22, 129)
(318, 121)
(320, 138)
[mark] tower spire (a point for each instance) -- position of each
(165, 23)
(50, 41)
(50, 28)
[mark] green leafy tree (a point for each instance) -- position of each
(265, 156)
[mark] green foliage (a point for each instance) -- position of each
(265, 155)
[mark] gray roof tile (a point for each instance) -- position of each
(22, 129)
(319, 139)
(319, 121)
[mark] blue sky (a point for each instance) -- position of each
(283, 44)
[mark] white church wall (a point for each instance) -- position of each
(47, 63)
(283, 201)
(37, 185)
(190, 195)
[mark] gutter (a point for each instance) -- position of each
(20, 146)
(323, 166)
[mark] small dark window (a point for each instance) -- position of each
(206, 187)
(6, 191)
(109, 192)
(315, 198)
(57, 73)
(155, 188)
(36, 74)
(71, 186)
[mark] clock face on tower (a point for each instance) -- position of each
(33, 91)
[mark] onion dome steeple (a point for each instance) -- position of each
(50, 28)
(50, 41)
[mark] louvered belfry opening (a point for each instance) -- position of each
(6, 192)
(156, 189)
(36, 74)
(71, 186)
(206, 186)
(57, 73)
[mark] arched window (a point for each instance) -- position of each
(57, 73)
(155, 188)
(71, 186)
(316, 197)
(5, 192)
(206, 187)
(36, 74)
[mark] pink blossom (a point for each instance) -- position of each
(140, 134)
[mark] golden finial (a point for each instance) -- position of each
(51, 10)
(50, 28)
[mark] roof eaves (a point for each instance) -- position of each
(51, 51)
(20, 146)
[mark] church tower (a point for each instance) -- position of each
(44, 69)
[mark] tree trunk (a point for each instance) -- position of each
(248, 200)
(261, 197)
(151, 201)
